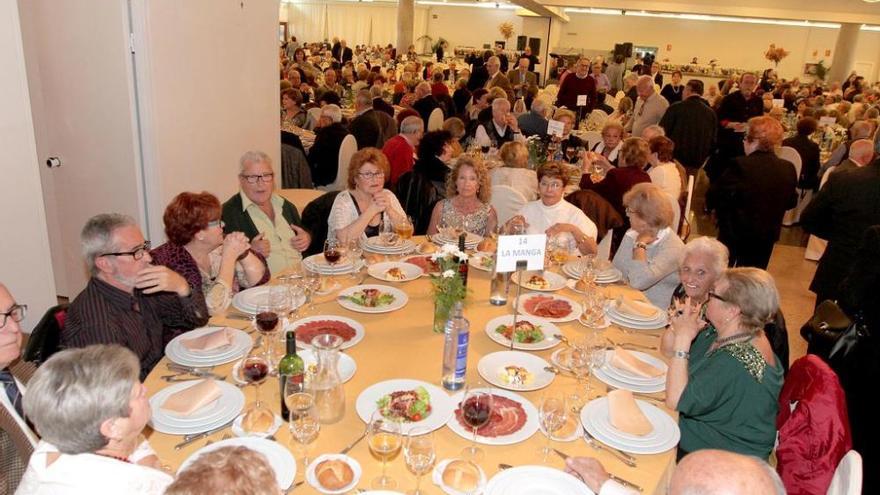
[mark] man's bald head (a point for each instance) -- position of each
(716, 472)
(862, 152)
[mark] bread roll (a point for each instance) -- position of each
(487, 245)
(427, 248)
(334, 474)
(462, 476)
(258, 420)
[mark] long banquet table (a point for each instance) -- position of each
(401, 344)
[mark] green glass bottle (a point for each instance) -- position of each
(290, 368)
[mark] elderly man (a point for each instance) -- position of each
(128, 301)
(401, 149)
(859, 130)
(425, 102)
(497, 77)
(523, 82)
(271, 222)
(534, 121)
(330, 84)
(579, 85)
(324, 153)
(692, 126)
(861, 153)
(734, 111)
(649, 108)
(369, 126)
(503, 127)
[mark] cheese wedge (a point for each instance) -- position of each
(209, 341)
(191, 399)
(639, 309)
(624, 360)
(625, 414)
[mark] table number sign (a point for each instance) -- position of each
(513, 248)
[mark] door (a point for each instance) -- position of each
(83, 102)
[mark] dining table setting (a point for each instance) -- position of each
(573, 352)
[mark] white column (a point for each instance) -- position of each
(844, 52)
(405, 14)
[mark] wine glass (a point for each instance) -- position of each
(268, 317)
(311, 281)
(553, 415)
(304, 424)
(332, 250)
(579, 364)
(384, 441)
(570, 153)
(476, 410)
(598, 346)
(355, 255)
(253, 370)
(419, 454)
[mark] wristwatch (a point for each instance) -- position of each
(641, 245)
(681, 354)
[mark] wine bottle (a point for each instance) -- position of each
(462, 265)
(290, 366)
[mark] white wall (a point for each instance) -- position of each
(26, 268)
(466, 26)
(357, 23)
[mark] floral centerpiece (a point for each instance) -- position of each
(775, 55)
(448, 285)
(537, 151)
(506, 30)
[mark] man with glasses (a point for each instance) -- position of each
(128, 301)
(272, 223)
(649, 108)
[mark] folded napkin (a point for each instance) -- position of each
(624, 360)
(638, 309)
(192, 399)
(209, 341)
(625, 414)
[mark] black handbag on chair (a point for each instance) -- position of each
(832, 334)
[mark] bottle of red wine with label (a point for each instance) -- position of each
(462, 265)
(290, 371)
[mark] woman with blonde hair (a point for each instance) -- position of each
(227, 470)
(514, 172)
(467, 199)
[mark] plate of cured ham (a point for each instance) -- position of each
(307, 329)
(513, 419)
(424, 262)
(553, 308)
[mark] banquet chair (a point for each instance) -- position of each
(46, 336)
(684, 228)
(300, 198)
(597, 209)
(791, 155)
(435, 120)
(847, 478)
(295, 171)
(592, 137)
(346, 150)
(506, 201)
(312, 119)
(315, 217)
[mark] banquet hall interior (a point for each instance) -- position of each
(119, 106)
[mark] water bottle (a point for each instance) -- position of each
(499, 287)
(455, 349)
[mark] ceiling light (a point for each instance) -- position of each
(487, 5)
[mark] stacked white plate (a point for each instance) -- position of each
(619, 378)
(377, 245)
(317, 263)
(470, 241)
(553, 281)
(603, 276)
(535, 480)
(281, 460)
(213, 415)
(659, 320)
(249, 300)
(664, 436)
(177, 352)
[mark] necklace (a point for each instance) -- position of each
(726, 340)
(118, 458)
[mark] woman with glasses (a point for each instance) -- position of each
(633, 158)
(552, 215)
(723, 378)
(359, 211)
(467, 199)
(215, 265)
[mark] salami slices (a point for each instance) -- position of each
(508, 417)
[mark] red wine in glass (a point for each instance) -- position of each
(267, 321)
(254, 370)
(476, 411)
(332, 255)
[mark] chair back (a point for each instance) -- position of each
(592, 137)
(684, 227)
(295, 171)
(506, 201)
(791, 155)
(435, 120)
(45, 339)
(315, 217)
(847, 478)
(597, 119)
(346, 150)
(300, 197)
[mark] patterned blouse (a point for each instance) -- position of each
(477, 221)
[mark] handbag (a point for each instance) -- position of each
(832, 334)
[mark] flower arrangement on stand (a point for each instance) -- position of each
(775, 54)
(537, 151)
(449, 287)
(506, 30)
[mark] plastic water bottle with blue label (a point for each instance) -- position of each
(455, 349)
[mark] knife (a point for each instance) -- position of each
(188, 439)
(622, 481)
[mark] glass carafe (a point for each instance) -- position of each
(326, 384)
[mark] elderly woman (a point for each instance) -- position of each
(215, 265)
(607, 150)
(673, 91)
(568, 143)
(360, 211)
(292, 114)
(752, 196)
(552, 215)
(301, 62)
(455, 127)
(514, 173)
(632, 159)
(90, 408)
(467, 199)
(228, 470)
(603, 84)
(724, 379)
(650, 252)
(703, 261)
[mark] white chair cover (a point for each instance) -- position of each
(312, 120)
(847, 478)
(687, 203)
(346, 151)
(435, 120)
(597, 119)
(507, 201)
(592, 137)
(816, 246)
(603, 251)
(793, 215)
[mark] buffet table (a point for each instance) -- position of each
(401, 344)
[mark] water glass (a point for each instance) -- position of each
(419, 454)
(304, 424)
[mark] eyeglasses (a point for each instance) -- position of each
(136, 253)
(551, 185)
(17, 312)
(253, 179)
(371, 175)
(714, 295)
(216, 223)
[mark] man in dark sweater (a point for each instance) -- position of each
(691, 125)
(578, 84)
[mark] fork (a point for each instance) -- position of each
(622, 456)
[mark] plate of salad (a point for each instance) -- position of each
(410, 402)
(372, 298)
(531, 333)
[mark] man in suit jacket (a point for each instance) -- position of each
(324, 154)
(845, 207)
(369, 126)
(502, 59)
(344, 54)
(649, 108)
(425, 102)
(534, 121)
(691, 125)
(808, 151)
(480, 74)
(523, 83)
(497, 78)
(753, 195)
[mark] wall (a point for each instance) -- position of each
(466, 26)
(367, 23)
(26, 268)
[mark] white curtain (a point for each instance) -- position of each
(384, 21)
(349, 22)
(307, 21)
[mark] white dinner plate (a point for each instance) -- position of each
(604, 377)
(376, 245)
(217, 413)
(176, 352)
(658, 313)
(352, 463)
(617, 319)
(547, 328)
(535, 480)
(280, 459)
(359, 330)
(470, 241)
(664, 436)
(482, 261)
(249, 300)
(442, 406)
(629, 377)
(554, 281)
(317, 263)
(576, 308)
(492, 368)
(400, 299)
(408, 270)
(528, 429)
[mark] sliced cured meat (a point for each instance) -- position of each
(547, 307)
(308, 331)
(424, 262)
(508, 417)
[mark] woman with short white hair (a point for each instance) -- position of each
(89, 408)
